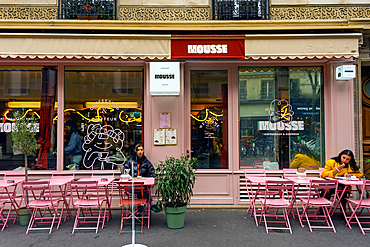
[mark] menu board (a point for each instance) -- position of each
(159, 136)
(171, 138)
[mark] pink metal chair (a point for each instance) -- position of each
(105, 174)
(252, 193)
(357, 207)
(45, 205)
(128, 212)
(318, 200)
(82, 202)
(58, 194)
(282, 189)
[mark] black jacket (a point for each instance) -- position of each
(146, 168)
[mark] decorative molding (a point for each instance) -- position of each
(128, 13)
(30, 13)
(317, 13)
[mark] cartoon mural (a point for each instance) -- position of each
(103, 146)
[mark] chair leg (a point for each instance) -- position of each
(76, 220)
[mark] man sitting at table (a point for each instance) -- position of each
(142, 168)
(342, 165)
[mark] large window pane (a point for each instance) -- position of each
(279, 117)
(103, 105)
(31, 90)
(209, 118)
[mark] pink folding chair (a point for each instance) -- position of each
(82, 202)
(253, 194)
(283, 191)
(128, 211)
(318, 200)
(357, 207)
(42, 208)
(105, 174)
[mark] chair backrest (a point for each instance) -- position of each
(324, 185)
(102, 173)
(288, 172)
(254, 173)
(125, 187)
(80, 188)
(63, 174)
(37, 189)
(14, 175)
(283, 188)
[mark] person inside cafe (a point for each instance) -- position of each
(74, 147)
(342, 165)
(142, 167)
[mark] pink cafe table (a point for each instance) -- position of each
(340, 193)
(62, 184)
(9, 196)
(259, 181)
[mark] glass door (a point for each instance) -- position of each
(209, 118)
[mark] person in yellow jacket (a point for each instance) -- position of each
(341, 165)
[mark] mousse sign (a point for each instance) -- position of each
(207, 49)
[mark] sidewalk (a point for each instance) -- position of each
(203, 227)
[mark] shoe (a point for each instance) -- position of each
(156, 209)
(138, 214)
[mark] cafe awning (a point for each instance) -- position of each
(144, 46)
(301, 46)
(97, 46)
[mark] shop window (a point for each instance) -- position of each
(283, 127)
(103, 108)
(31, 90)
(209, 118)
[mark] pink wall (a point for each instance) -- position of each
(339, 112)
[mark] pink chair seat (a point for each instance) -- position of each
(318, 201)
(88, 202)
(275, 202)
(43, 203)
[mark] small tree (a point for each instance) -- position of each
(24, 137)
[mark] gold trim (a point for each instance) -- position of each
(129, 13)
(29, 13)
(319, 12)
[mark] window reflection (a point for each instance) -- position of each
(279, 117)
(106, 105)
(30, 90)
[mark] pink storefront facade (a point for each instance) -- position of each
(228, 88)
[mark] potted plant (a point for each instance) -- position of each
(24, 140)
(175, 179)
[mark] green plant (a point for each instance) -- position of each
(175, 179)
(24, 136)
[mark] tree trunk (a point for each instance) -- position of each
(26, 174)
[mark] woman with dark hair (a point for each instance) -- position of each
(74, 147)
(141, 167)
(341, 165)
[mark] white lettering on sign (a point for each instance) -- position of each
(207, 49)
(293, 125)
(10, 127)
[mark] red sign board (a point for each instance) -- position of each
(207, 49)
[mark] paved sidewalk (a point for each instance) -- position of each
(208, 227)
